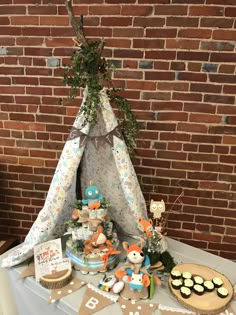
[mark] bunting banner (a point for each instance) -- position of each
(96, 140)
(28, 272)
(95, 300)
(165, 310)
(74, 285)
(137, 308)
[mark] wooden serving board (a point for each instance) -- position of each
(209, 302)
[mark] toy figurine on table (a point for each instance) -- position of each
(136, 273)
(93, 244)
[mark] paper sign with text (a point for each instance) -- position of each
(47, 258)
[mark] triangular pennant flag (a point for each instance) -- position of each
(28, 272)
(137, 308)
(74, 285)
(95, 300)
(166, 310)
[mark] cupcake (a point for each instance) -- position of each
(198, 289)
(198, 280)
(176, 284)
(185, 292)
(188, 283)
(186, 275)
(208, 285)
(217, 282)
(175, 274)
(222, 292)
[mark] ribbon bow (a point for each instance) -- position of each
(106, 256)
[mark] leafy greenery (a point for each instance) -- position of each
(89, 70)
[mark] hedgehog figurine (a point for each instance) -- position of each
(93, 196)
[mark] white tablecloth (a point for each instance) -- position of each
(27, 297)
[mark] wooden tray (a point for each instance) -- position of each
(209, 302)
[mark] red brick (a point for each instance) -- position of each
(172, 10)
(206, 11)
(203, 157)
(204, 118)
(158, 75)
(182, 43)
(161, 65)
(104, 10)
(219, 99)
(174, 86)
(155, 54)
(216, 22)
(161, 33)
(128, 53)
(190, 76)
(148, 43)
(149, 22)
(182, 55)
(135, 10)
(177, 66)
(194, 33)
(187, 96)
(227, 68)
(181, 21)
(224, 34)
(36, 31)
(141, 85)
(212, 88)
(24, 20)
(116, 21)
(221, 78)
(194, 66)
(42, 10)
(190, 127)
(156, 106)
(128, 32)
(156, 95)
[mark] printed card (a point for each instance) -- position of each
(47, 257)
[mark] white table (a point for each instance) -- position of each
(27, 297)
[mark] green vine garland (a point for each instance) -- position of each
(89, 70)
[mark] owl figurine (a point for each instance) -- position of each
(157, 208)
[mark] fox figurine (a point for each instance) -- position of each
(145, 226)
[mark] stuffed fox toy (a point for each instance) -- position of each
(97, 243)
(145, 226)
(135, 259)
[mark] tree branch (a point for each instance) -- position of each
(78, 29)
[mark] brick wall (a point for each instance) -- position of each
(176, 61)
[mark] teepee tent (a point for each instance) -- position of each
(102, 156)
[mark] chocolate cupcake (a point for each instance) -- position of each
(218, 282)
(175, 274)
(185, 292)
(198, 289)
(187, 275)
(208, 285)
(188, 283)
(222, 292)
(198, 280)
(176, 284)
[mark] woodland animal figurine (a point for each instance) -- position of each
(93, 196)
(145, 226)
(137, 281)
(136, 260)
(97, 243)
(157, 208)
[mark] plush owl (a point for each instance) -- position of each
(157, 208)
